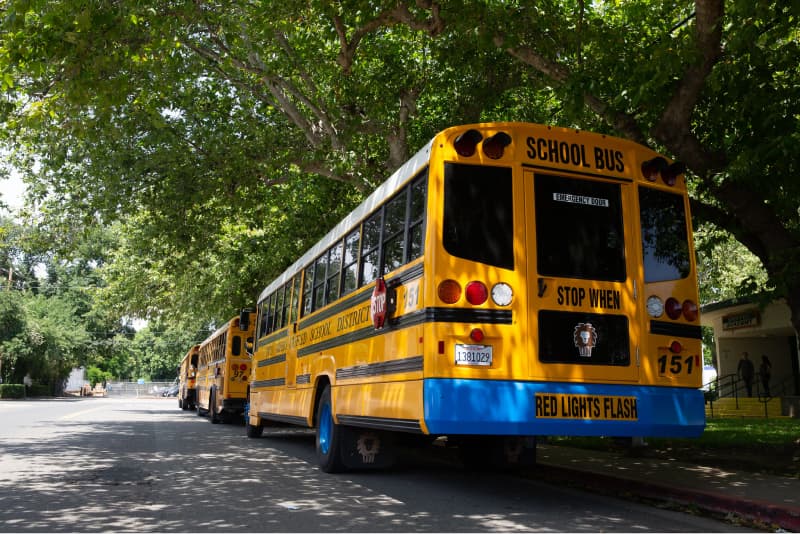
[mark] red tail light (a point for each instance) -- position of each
(494, 146)
(658, 166)
(243, 366)
(466, 143)
(671, 173)
(476, 335)
(477, 293)
(689, 310)
(673, 308)
(653, 167)
(675, 347)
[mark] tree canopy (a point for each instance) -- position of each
(228, 136)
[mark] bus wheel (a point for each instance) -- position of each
(180, 403)
(212, 408)
(483, 453)
(253, 431)
(329, 436)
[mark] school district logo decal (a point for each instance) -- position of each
(585, 337)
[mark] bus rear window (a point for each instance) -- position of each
(478, 214)
(665, 243)
(579, 231)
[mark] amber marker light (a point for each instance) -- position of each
(449, 291)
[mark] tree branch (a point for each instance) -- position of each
(622, 122)
(674, 127)
(389, 17)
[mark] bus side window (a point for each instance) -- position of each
(370, 245)
(308, 290)
(416, 219)
(269, 311)
(280, 307)
(334, 273)
(394, 225)
(287, 302)
(319, 281)
(262, 318)
(350, 269)
(295, 299)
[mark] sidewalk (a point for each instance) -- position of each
(767, 499)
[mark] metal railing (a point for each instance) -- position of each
(732, 386)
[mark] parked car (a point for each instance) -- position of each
(171, 391)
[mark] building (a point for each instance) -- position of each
(747, 325)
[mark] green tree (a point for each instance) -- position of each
(12, 325)
(159, 348)
(192, 115)
(726, 268)
(53, 341)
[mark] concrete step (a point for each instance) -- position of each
(746, 407)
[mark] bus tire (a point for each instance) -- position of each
(212, 408)
(180, 403)
(328, 436)
(485, 453)
(253, 431)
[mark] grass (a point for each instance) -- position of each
(752, 444)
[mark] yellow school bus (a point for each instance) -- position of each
(187, 375)
(510, 280)
(224, 370)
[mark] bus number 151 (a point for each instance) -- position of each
(676, 364)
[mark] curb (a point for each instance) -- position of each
(761, 513)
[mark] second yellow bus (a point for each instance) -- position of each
(224, 370)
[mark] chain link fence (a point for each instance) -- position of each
(137, 389)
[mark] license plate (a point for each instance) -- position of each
(474, 355)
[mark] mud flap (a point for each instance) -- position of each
(363, 448)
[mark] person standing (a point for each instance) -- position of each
(765, 370)
(747, 372)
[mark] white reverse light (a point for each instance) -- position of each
(502, 294)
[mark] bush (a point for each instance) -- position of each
(39, 390)
(95, 375)
(12, 391)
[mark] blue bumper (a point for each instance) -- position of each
(492, 407)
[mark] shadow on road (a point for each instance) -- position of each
(145, 467)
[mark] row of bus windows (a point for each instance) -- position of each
(389, 238)
(214, 350)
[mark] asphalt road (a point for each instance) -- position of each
(88, 465)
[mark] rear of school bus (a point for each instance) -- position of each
(560, 288)
(187, 394)
(234, 374)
